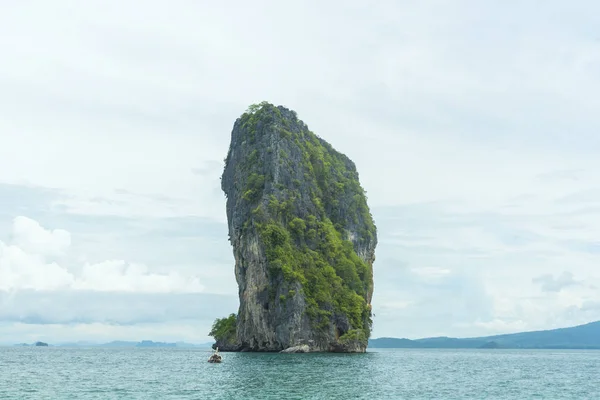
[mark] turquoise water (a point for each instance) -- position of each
(93, 373)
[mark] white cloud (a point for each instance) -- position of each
(21, 270)
(30, 237)
(24, 265)
(123, 277)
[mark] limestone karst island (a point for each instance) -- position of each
(303, 240)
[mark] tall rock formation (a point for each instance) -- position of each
(302, 235)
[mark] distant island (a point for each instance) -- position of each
(36, 344)
(585, 336)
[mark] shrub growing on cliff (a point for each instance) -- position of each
(352, 336)
(224, 329)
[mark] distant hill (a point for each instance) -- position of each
(150, 343)
(578, 337)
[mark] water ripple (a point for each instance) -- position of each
(95, 373)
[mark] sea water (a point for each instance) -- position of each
(171, 373)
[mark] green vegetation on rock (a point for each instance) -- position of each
(333, 277)
(224, 329)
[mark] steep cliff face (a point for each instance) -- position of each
(302, 235)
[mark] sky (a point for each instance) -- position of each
(473, 126)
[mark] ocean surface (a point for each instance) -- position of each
(170, 373)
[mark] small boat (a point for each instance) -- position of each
(215, 357)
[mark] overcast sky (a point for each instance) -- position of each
(473, 124)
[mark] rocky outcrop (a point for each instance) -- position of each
(303, 348)
(224, 345)
(302, 235)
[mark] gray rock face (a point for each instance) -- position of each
(267, 166)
